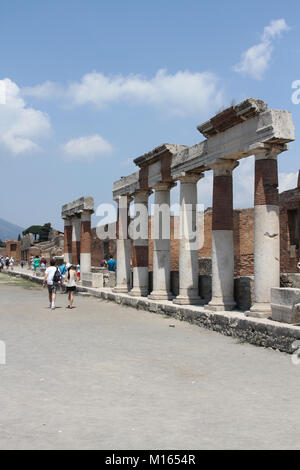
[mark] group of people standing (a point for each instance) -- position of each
(8, 262)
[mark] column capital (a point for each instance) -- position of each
(142, 194)
(186, 177)
(224, 167)
(121, 197)
(164, 186)
(269, 151)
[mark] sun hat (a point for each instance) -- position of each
(68, 265)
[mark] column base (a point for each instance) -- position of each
(219, 306)
(121, 289)
(160, 295)
(186, 300)
(260, 310)
(138, 292)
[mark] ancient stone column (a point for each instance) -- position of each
(188, 242)
(222, 237)
(123, 246)
(140, 244)
(161, 244)
(76, 230)
(68, 239)
(85, 242)
(266, 232)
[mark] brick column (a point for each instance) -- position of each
(161, 244)
(266, 232)
(222, 237)
(85, 242)
(123, 246)
(68, 239)
(140, 244)
(76, 229)
(188, 245)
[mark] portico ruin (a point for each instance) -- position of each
(249, 128)
(77, 232)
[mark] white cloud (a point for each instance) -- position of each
(21, 127)
(256, 59)
(287, 181)
(180, 94)
(87, 148)
(46, 90)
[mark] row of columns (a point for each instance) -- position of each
(266, 251)
(78, 240)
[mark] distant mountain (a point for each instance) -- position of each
(9, 231)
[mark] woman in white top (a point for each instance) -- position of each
(70, 283)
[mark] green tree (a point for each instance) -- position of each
(39, 230)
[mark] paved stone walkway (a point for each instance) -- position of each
(103, 376)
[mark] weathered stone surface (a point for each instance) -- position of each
(85, 203)
(285, 304)
(126, 185)
(92, 280)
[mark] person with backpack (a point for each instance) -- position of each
(53, 279)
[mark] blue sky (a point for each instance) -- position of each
(92, 84)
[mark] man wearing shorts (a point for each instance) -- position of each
(52, 286)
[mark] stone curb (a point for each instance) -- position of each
(257, 331)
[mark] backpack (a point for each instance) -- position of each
(57, 276)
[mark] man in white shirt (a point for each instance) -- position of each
(52, 286)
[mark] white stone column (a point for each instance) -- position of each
(85, 243)
(188, 242)
(161, 244)
(139, 234)
(222, 237)
(68, 240)
(266, 232)
(123, 246)
(76, 232)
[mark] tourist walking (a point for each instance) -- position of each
(11, 263)
(52, 279)
(36, 263)
(7, 262)
(70, 283)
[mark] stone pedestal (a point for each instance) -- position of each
(140, 244)
(85, 242)
(161, 244)
(266, 232)
(222, 237)
(123, 246)
(188, 242)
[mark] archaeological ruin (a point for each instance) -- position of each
(243, 250)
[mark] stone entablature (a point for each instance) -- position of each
(82, 204)
(234, 134)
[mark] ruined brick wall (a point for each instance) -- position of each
(13, 248)
(289, 230)
(101, 248)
